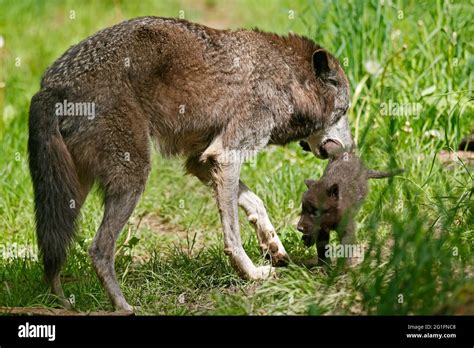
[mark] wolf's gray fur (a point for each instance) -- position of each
(196, 92)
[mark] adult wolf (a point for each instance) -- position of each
(212, 96)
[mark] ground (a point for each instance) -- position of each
(410, 67)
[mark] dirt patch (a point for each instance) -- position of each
(150, 232)
(450, 158)
(159, 225)
(248, 290)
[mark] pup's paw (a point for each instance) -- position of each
(353, 261)
(308, 240)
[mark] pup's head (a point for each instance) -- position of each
(320, 210)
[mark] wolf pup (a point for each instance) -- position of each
(332, 202)
(211, 96)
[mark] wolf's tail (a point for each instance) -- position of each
(375, 174)
(55, 183)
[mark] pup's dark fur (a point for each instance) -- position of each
(194, 91)
(332, 202)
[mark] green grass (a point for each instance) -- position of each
(418, 228)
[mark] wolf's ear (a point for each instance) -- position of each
(321, 63)
(309, 183)
(333, 191)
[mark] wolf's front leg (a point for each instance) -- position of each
(225, 180)
(268, 240)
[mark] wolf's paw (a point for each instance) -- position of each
(262, 272)
(275, 252)
(125, 307)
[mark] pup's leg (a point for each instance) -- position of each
(349, 238)
(321, 246)
(268, 240)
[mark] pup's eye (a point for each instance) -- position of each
(315, 213)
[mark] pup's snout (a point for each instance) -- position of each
(308, 240)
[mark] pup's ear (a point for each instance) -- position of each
(321, 63)
(333, 191)
(309, 183)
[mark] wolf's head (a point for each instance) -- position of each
(335, 136)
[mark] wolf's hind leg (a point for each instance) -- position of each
(270, 244)
(122, 173)
(57, 290)
(118, 208)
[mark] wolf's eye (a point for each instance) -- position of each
(333, 81)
